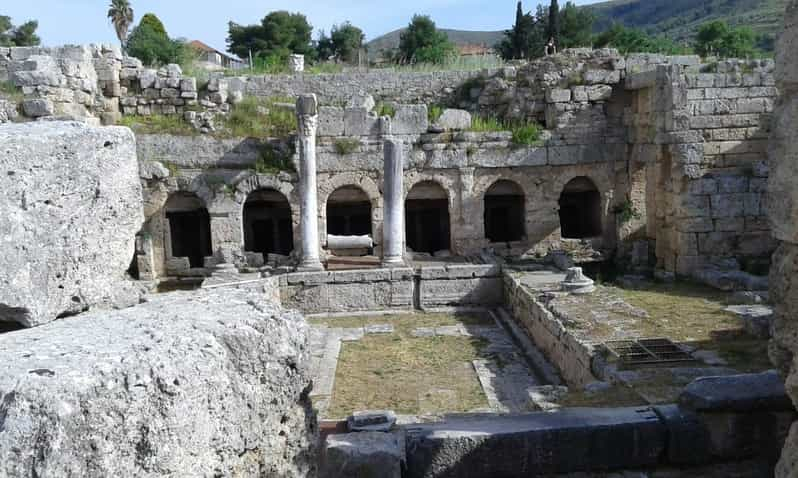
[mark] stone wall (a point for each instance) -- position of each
(339, 88)
(392, 289)
(698, 168)
(783, 212)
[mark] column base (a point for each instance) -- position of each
(310, 266)
(393, 262)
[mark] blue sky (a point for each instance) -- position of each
(84, 21)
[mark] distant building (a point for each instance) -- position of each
(475, 50)
(213, 59)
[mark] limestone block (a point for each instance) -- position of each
(188, 85)
(361, 101)
(360, 122)
(610, 77)
(599, 92)
(409, 119)
(169, 387)
(63, 183)
(35, 108)
(170, 93)
(147, 78)
(331, 121)
(557, 95)
(364, 455)
(453, 119)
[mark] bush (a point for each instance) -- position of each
(434, 113)
(273, 161)
(523, 133)
(526, 134)
(385, 109)
(346, 146)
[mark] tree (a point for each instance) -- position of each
(325, 49)
(347, 40)
(553, 30)
(631, 40)
(421, 42)
(575, 27)
(719, 39)
(519, 41)
(150, 43)
(278, 35)
(121, 15)
(23, 35)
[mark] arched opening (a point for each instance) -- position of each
(268, 226)
(580, 209)
(349, 212)
(189, 228)
(427, 218)
(505, 212)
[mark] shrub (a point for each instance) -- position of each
(526, 134)
(346, 145)
(272, 160)
(434, 113)
(626, 212)
(259, 118)
(384, 109)
(486, 125)
(523, 133)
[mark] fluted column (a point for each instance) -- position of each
(308, 121)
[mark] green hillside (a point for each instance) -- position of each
(390, 41)
(680, 19)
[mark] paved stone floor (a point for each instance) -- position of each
(507, 379)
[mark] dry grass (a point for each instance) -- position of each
(407, 374)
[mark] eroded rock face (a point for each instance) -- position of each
(209, 383)
(783, 212)
(70, 207)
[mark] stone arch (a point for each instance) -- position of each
(348, 212)
(188, 231)
(267, 222)
(334, 182)
(580, 209)
(504, 209)
(428, 217)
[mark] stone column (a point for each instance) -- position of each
(393, 229)
(308, 122)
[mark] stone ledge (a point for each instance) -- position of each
(739, 393)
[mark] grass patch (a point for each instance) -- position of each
(273, 161)
(346, 145)
(158, 124)
(523, 133)
(385, 109)
(260, 118)
(407, 374)
(434, 113)
(11, 91)
(626, 212)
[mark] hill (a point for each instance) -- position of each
(680, 19)
(390, 41)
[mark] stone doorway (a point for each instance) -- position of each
(349, 212)
(580, 209)
(189, 228)
(268, 224)
(505, 214)
(427, 218)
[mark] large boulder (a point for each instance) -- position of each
(783, 211)
(208, 383)
(70, 208)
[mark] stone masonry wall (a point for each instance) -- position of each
(783, 213)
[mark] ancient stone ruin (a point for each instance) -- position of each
(388, 287)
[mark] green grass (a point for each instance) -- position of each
(407, 374)
(273, 161)
(259, 118)
(158, 124)
(346, 145)
(434, 113)
(523, 134)
(385, 109)
(11, 91)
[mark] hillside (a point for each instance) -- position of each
(390, 41)
(680, 19)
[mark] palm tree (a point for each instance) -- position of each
(121, 15)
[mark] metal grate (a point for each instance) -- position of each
(656, 351)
